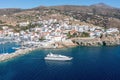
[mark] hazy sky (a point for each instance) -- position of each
(35, 3)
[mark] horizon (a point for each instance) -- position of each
(36, 3)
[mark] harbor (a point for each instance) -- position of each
(53, 33)
(27, 48)
(102, 62)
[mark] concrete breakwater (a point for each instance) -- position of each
(108, 41)
(6, 56)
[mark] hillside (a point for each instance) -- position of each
(98, 14)
(10, 11)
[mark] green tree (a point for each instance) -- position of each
(85, 34)
(69, 35)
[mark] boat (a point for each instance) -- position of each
(16, 48)
(52, 56)
(3, 49)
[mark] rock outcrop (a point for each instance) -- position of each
(108, 41)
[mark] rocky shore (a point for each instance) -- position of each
(65, 44)
(106, 41)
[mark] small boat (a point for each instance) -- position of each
(16, 48)
(52, 56)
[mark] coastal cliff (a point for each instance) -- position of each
(106, 41)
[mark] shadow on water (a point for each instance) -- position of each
(58, 63)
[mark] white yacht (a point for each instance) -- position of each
(57, 57)
(16, 48)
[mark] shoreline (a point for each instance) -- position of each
(106, 41)
(60, 45)
(20, 52)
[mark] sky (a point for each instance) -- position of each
(25, 4)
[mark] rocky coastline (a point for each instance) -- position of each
(106, 41)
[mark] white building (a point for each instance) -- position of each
(57, 38)
(24, 23)
(112, 30)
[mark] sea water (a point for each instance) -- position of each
(88, 63)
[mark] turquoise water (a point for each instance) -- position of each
(89, 63)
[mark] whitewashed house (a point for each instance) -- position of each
(24, 23)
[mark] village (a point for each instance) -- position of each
(52, 33)
(51, 30)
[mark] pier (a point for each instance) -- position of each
(7, 56)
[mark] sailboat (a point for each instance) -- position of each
(3, 48)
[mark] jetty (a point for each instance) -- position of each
(7, 56)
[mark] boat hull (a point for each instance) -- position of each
(58, 59)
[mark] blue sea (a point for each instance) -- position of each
(89, 63)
